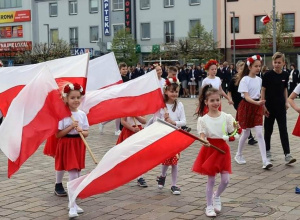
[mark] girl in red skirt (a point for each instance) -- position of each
(175, 115)
(250, 110)
(131, 125)
(213, 126)
(70, 152)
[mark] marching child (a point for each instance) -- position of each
(214, 127)
(131, 125)
(250, 110)
(175, 115)
(70, 152)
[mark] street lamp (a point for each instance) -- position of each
(47, 25)
(233, 30)
(274, 27)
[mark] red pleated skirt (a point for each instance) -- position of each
(210, 161)
(249, 115)
(205, 110)
(70, 154)
(125, 133)
(171, 161)
(296, 130)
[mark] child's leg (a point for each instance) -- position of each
(261, 143)
(210, 189)
(223, 184)
(243, 138)
(174, 174)
(117, 124)
(164, 170)
(59, 176)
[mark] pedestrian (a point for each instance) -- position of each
(193, 74)
(159, 76)
(250, 110)
(183, 77)
(274, 91)
(70, 152)
(211, 127)
(234, 95)
(132, 125)
(175, 115)
(212, 79)
(293, 78)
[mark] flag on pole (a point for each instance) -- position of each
(103, 72)
(32, 117)
(13, 79)
(140, 96)
(128, 160)
(265, 19)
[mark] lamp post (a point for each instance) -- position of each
(47, 25)
(233, 30)
(274, 26)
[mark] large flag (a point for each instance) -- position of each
(136, 155)
(103, 72)
(140, 96)
(32, 117)
(13, 79)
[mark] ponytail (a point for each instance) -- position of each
(205, 92)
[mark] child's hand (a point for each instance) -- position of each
(287, 106)
(135, 129)
(261, 102)
(230, 102)
(266, 112)
(166, 116)
(74, 124)
(297, 109)
(206, 144)
(79, 129)
(169, 120)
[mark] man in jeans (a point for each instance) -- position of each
(274, 91)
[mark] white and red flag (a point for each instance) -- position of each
(13, 79)
(265, 19)
(140, 96)
(32, 117)
(103, 72)
(128, 160)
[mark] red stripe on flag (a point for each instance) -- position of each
(139, 163)
(40, 128)
(116, 83)
(126, 107)
(7, 96)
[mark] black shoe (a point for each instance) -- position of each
(185, 128)
(252, 141)
(141, 182)
(161, 181)
(59, 190)
(175, 190)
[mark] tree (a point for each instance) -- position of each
(284, 38)
(199, 44)
(41, 52)
(124, 47)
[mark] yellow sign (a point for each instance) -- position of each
(15, 16)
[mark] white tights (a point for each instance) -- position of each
(260, 139)
(210, 187)
(164, 169)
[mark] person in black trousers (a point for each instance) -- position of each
(274, 91)
(293, 78)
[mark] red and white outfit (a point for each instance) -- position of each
(215, 83)
(250, 115)
(210, 161)
(70, 152)
(296, 130)
(125, 133)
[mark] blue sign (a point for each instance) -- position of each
(106, 17)
(10, 63)
(79, 51)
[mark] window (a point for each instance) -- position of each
(10, 3)
(94, 37)
(117, 5)
(193, 23)
(11, 31)
(117, 27)
(289, 22)
(169, 32)
(169, 3)
(53, 9)
(259, 26)
(145, 4)
(74, 37)
(54, 36)
(94, 6)
(236, 24)
(145, 31)
(194, 2)
(73, 7)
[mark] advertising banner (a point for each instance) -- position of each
(15, 16)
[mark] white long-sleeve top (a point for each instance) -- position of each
(178, 115)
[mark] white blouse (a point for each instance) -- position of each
(79, 116)
(215, 127)
(250, 85)
(215, 82)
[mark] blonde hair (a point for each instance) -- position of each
(278, 55)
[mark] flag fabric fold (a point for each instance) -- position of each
(265, 19)
(103, 72)
(140, 96)
(136, 155)
(32, 117)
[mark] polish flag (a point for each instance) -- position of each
(103, 72)
(128, 160)
(265, 19)
(140, 96)
(32, 117)
(13, 79)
